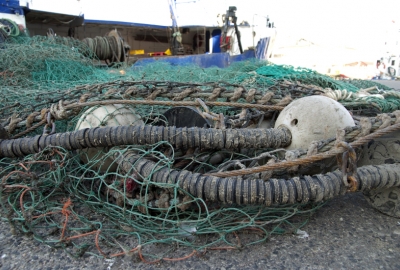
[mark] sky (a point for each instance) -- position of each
(349, 22)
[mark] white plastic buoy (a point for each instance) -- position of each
(108, 115)
(313, 118)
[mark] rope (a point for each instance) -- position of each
(185, 93)
(153, 95)
(107, 48)
(266, 98)
(31, 118)
(215, 94)
(309, 159)
(176, 103)
(14, 120)
(237, 94)
(315, 188)
(58, 111)
(172, 90)
(365, 128)
(29, 130)
(179, 138)
(386, 120)
(250, 95)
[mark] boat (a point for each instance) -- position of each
(142, 37)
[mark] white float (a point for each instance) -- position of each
(108, 115)
(313, 118)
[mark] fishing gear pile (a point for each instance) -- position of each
(166, 161)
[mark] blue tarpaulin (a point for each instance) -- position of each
(10, 7)
(202, 60)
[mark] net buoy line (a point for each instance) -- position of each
(123, 88)
(150, 90)
(129, 91)
(171, 90)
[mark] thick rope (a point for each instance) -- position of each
(179, 138)
(28, 130)
(176, 103)
(309, 159)
(231, 190)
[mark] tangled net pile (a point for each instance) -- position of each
(108, 210)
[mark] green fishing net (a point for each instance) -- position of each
(87, 207)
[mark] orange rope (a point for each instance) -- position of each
(180, 259)
(80, 235)
(45, 214)
(96, 240)
(143, 259)
(21, 200)
(65, 213)
(125, 253)
(11, 173)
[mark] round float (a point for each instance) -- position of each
(108, 115)
(313, 118)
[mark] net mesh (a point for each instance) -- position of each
(92, 207)
(69, 204)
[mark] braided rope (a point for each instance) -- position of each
(176, 103)
(309, 159)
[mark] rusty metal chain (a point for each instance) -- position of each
(347, 162)
(49, 123)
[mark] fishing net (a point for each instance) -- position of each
(42, 62)
(85, 203)
(250, 73)
(74, 206)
